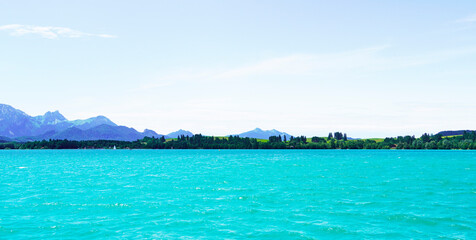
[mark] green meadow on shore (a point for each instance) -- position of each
(334, 141)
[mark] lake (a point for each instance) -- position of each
(236, 194)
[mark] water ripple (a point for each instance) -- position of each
(236, 194)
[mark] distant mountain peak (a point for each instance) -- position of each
(51, 117)
(8, 110)
(180, 132)
(151, 133)
(263, 134)
(93, 122)
(14, 122)
(101, 117)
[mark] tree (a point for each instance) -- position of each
(425, 137)
(338, 135)
(275, 139)
(317, 139)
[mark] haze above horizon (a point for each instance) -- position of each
(368, 68)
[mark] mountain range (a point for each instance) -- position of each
(15, 125)
(18, 126)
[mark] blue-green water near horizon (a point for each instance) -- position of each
(236, 194)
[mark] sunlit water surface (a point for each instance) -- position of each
(235, 194)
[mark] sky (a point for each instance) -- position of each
(367, 68)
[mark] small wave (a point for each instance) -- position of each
(152, 175)
(114, 205)
(51, 204)
(334, 229)
(412, 219)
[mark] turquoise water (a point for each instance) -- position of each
(235, 194)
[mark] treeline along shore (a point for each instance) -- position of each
(334, 141)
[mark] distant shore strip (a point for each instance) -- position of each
(334, 141)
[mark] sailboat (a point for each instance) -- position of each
(114, 148)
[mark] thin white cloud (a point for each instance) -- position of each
(310, 64)
(295, 65)
(339, 65)
(468, 19)
(48, 31)
(357, 61)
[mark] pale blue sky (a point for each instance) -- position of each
(368, 68)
